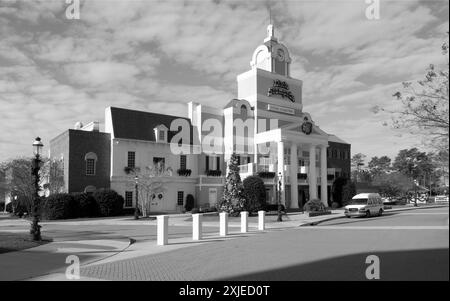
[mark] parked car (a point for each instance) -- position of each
(365, 204)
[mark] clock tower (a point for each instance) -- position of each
(268, 85)
(272, 56)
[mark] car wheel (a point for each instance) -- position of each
(347, 216)
(380, 213)
(368, 213)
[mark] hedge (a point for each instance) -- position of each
(60, 206)
(110, 203)
(88, 205)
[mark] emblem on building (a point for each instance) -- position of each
(281, 88)
(307, 127)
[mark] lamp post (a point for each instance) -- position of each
(136, 213)
(35, 230)
(280, 178)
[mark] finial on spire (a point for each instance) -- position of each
(270, 28)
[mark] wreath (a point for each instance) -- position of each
(307, 127)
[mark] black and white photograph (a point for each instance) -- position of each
(219, 148)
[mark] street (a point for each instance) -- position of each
(410, 245)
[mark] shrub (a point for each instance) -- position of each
(60, 206)
(254, 193)
(195, 210)
(110, 203)
(88, 205)
(335, 205)
(314, 205)
(189, 202)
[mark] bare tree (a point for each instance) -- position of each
(52, 175)
(425, 106)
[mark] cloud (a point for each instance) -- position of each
(158, 55)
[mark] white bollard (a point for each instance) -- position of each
(244, 221)
(223, 223)
(261, 217)
(163, 229)
(197, 226)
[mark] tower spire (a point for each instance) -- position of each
(270, 27)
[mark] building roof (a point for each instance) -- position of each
(334, 138)
(139, 125)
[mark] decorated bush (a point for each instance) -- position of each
(233, 199)
(110, 203)
(314, 205)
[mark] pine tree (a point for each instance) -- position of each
(233, 199)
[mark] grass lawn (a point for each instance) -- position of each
(10, 242)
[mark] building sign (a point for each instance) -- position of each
(281, 109)
(281, 88)
(307, 127)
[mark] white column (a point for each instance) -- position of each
(197, 226)
(244, 221)
(163, 229)
(312, 173)
(223, 223)
(293, 174)
(280, 167)
(323, 175)
(261, 217)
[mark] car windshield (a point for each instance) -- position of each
(359, 202)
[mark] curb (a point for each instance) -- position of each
(315, 223)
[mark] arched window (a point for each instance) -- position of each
(244, 111)
(91, 162)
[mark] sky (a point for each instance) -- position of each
(159, 55)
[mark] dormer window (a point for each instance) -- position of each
(161, 133)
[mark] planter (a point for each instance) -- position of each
(184, 172)
(213, 173)
(266, 174)
(302, 176)
(318, 213)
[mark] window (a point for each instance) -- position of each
(128, 199)
(212, 162)
(131, 159)
(161, 133)
(243, 111)
(90, 167)
(159, 164)
(183, 162)
(180, 198)
(91, 160)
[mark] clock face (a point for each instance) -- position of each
(280, 54)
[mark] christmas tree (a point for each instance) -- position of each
(233, 199)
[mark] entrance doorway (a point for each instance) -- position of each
(303, 196)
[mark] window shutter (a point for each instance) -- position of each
(218, 162)
(207, 162)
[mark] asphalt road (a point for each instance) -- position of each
(410, 245)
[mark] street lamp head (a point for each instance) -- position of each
(37, 146)
(136, 178)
